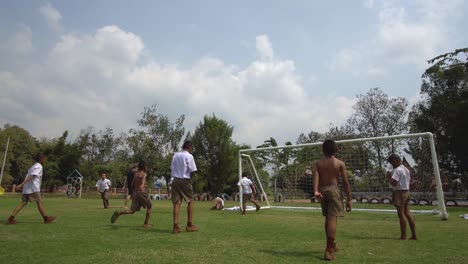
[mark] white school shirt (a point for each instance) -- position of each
(220, 199)
(103, 184)
(33, 185)
(402, 176)
(182, 165)
(246, 185)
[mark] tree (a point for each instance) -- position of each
(375, 114)
(443, 111)
(156, 139)
(215, 154)
(20, 153)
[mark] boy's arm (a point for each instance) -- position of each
(27, 179)
(346, 186)
(254, 191)
(390, 179)
(317, 194)
(97, 185)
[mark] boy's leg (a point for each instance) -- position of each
(175, 214)
(190, 226)
(402, 218)
(147, 217)
(11, 219)
(117, 214)
(330, 231)
(256, 204)
(47, 219)
(411, 222)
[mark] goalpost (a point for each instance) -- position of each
(283, 174)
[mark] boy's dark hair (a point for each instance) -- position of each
(329, 147)
(39, 156)
(245, 174)
(393, 157)
(187, 144)
(142, 166)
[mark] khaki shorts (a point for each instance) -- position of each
(31, 197)
(401, 198)
(181, 189)
(140, 199)
(331, 202)
(105, 195)
(247, 197)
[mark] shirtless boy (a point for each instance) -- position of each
(140, 196)
(326, 175)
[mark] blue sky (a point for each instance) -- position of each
(270, 68)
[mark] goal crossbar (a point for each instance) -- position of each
(243, 153)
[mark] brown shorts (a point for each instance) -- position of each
(247, 197)
(401, 198)
(31, 197)
(105, 195)
(331, 202)
(140, 199)
(181, 189)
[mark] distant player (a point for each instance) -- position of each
(218, 203)
(103, 185)
(182, 167)
(130, 175)
(400, 178)
(140, 197)
(326, 175)
(31, 191)
(248, 193)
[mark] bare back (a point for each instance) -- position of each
(329, 170)
(139, 181)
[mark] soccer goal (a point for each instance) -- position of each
(283, 175)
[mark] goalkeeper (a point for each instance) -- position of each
(326, 175)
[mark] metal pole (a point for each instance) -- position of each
(4, 159)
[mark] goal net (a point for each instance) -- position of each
(283, 175)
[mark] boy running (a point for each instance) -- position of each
(326, 175)
(248, 192)
(140, 196)
(103, 186)
(31, 191)
(400, 178)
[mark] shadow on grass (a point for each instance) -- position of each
(372, 238)
(296, 254)
(139, 228)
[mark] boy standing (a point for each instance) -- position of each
(31, 191)
(140, 196)
(326, 175)
(182, 167)
(103, 186)
(400, 178)
(248, 192)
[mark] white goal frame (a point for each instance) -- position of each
(243, 153)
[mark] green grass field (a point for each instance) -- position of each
(83, 234)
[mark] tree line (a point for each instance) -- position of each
(444, 102)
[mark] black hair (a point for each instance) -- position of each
(329, 147)
(142, 166)
(39, 156)
(187, 144)
(393, 157)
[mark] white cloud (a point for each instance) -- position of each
(20, 41)
(399, 39)
(51, 14)
(264, 47)
(100, 79)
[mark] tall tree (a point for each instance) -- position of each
(443, 111)
(155, 140)
(375, 114)
(216, 154)
(20, 154)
